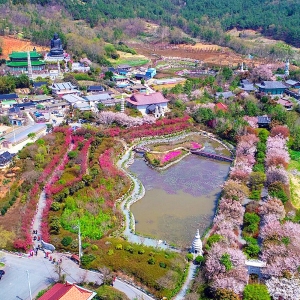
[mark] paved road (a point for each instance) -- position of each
(14, 284)
(42, 272)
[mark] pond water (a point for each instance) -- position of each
(179, 199)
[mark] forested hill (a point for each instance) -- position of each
(207, 19)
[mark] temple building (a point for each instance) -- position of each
(197, 244)
(19, 61)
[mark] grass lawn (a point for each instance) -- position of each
(109, 293)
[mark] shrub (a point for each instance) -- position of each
(94, 247)
(72, 154)
(129, 249)
(110, 252)
(226, 262)
(189, 257)
(141, 251)
(87, 259)
(223, 294)
(85, 245)
(119, 247)
(162, 265)
(212, 239)
(199, 259)
(256, 292)
(151, 261)
(66, 241)
(55, 206)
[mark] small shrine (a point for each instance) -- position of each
(197, 244)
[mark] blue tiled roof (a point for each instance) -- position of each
(8, 96)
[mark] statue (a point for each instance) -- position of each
(56, 46)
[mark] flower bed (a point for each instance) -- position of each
(164, 159)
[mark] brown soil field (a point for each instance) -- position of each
(10, 44)
(212, 55)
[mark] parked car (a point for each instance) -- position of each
(1, 273)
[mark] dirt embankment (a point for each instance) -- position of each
(10, 44)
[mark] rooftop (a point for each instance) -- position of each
(144, 99)
(33, 54)
(272, 85)
(67, 291)
(37, 98)
(8, 96)
(98, 97)
(73, 98)
(225, 95)
(63, 86)
(24, 63)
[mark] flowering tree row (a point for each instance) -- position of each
(109, 117)
(24, 239)
(225, 262)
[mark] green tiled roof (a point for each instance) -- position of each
(33, 54)
(24, 63)
(8, 102)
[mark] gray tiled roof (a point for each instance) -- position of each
(291, 82)
(272, 85)
(225, 95)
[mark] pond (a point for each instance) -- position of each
(179, 199)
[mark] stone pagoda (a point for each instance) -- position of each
(197, 244)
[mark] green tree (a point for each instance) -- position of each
(226, 261)
(227, 73)
(256, 292)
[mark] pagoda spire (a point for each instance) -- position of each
(29, 68)
(197, 244)
(122, 104)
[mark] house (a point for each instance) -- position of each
(141, 77)
(26, 105)
(8, 97)
(247, 86)
(287, 104)
(263, 121)
(58, 105)
(151, 72)
(221, 106)
(5, 104)
(292, 84)
(125, 67)
(272, 87)
(68, 291)
(138, 88)
(38, 84)
(16, 120)
(224, 95)
(95, 88)
(72, 99)
(64, 88)
(80, 67)
(82, 106)
(154, 103)
(5, 159)
(40, 98)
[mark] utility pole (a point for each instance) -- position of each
(79, 243)
(29, 285)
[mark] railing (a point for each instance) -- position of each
(212, 155)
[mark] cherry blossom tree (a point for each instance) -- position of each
(274, 207)
(275, 173)
(284, 288)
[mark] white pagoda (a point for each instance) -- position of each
(197, 244)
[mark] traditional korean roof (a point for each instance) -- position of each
(225, 95)
(272, 85)
(284, 102)
(25, 63)
(292, 82)
(147, 99)
(67, 291)
(248, 87)
(18, 55)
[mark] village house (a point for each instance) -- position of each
(221, 106)
(125, 67)
(292, 84)
(154, 103)
(5, 97)
(95, 89)
(68, 291)
(247, 86)
(64, 88)
(263, 121)
(272, 87)
(224, 95)
(5, 159)
(104, 98)
(287, 104)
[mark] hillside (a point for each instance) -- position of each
(85, 26)
(279, 19)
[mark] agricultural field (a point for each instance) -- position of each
(134, 60)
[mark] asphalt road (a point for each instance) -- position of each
(14, 284)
